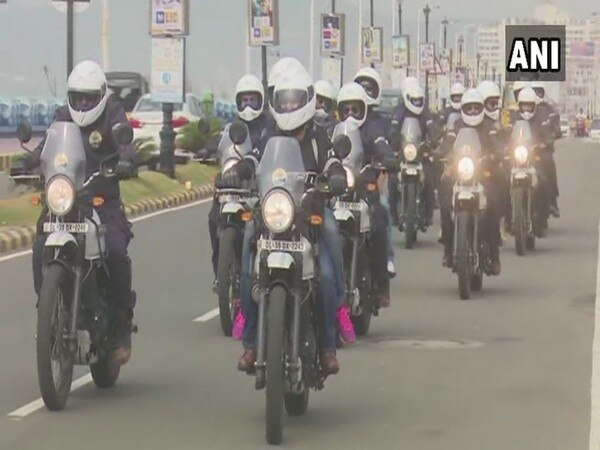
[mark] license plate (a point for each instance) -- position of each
(465, 195)
(520, 175)
(53, 227)
(412, 171)
(281, 246)
(350, 206)
(230, 198)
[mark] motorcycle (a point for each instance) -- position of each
(287, 266)
(523, 181)
(412, 179)
(75, 311)
(351, 211)
(236, 206)
(471, 252)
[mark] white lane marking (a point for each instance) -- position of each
(595, 413)
(209, 315)
(32, 407)
(137, 219)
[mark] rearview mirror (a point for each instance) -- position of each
(203, 126)
(24, 132)
(123, 133)
(238, 133)
(342, 146)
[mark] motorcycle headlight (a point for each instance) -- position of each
(60, 195)
(521, 154)
(466, 169)
(410, 152)
(350, 178)
(229, 164)
(278, 211)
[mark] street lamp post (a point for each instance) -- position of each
(478, 56)
(445, 31)
(485, 69)
(399, 16)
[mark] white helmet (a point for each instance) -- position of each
(517, 86)
(294, 100)
(280, 68)
(527, 103)
(471, 107)
(490, 91)
(352, 104)
(457, 90)
(370, 80)
(249, 84)
(86, 93)
(540, 90)
(323, 88)
(414, 98)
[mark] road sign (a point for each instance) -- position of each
(263, 21)
(333, 29)
(167, 70)
(169, 17)
(61, 5)
(372, 44)
(427, 56)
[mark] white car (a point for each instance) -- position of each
(595, 130)
(146, 119)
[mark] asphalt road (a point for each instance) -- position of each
(508, 370)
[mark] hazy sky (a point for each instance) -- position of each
(34, 35)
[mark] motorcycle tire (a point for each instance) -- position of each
(463, 251)
(520, 232)
(226, 275)
(274, 367)
(54, 319)
(410, 221)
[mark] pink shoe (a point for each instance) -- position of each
(345, 326)
(238, 326)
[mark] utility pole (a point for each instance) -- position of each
(105, 36)
(399, 16)
(372, 23)
(70, 26)
(478, 56)
(445, 25)
(427, 11)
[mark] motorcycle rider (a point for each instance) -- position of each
(545, 113)
(414, 106)
(456, 92)
(472, 115)
(293, 108)
(353, 105)
(491, 100)
(249, 99)
(376, 129)
(89, 107)
(325, 114)
(542, 136)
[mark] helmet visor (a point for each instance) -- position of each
(84, 101)
(251, 99)
(289, 100)
(492, 103)
(416, 101)
(352, 108)
(540, 92)
(324, 103)
(370, 86)
(526, 107)
(472, 109)
(456, 98)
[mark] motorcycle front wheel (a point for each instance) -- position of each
(226, 279)
(54, 356)
(410, 215)
(519, 228)
(274, 367)
(463, 252)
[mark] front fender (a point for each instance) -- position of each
(343, 215)
(280, 260)
(60, 239)
(231, 208)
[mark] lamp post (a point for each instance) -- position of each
(478, 56)
(399, 16)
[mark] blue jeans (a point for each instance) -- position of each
(385, 202)
(330, 289)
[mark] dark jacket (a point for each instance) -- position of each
(374, 133)
(488, 137)
(400, 113)
(256, 129)
(113, 114)
(328, 124)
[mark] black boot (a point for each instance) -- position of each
(495, 267)
(448, 260)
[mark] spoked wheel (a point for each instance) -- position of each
(54, 357)
(463, 252)
(227, 274)
(275, 361)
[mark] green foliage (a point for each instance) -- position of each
(191, 139)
